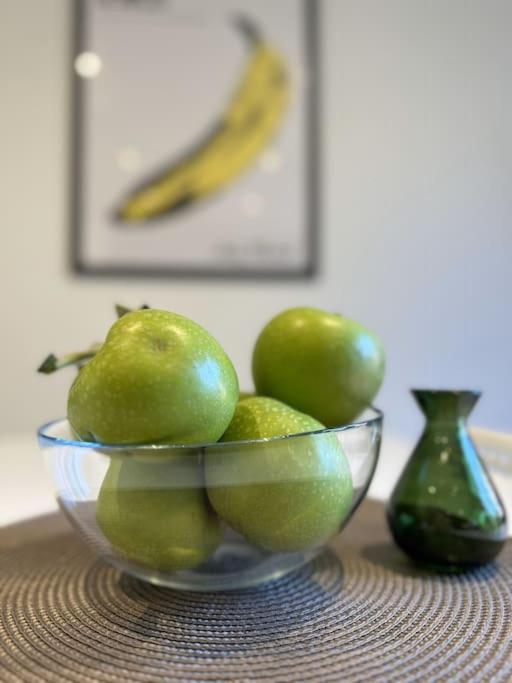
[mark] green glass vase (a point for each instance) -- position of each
(444, 510)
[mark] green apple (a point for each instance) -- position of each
(285, 494)
(157, 514)
(159, 377)
(325, 365)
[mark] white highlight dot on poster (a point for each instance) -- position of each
(253, 204)
(270, 161)
(88, 64)
(128, 159)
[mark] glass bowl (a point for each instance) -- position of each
(216, 516)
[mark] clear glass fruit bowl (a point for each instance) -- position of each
(216, 516)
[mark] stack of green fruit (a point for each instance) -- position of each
(160, 378)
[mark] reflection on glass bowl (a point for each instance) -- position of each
(216, 516)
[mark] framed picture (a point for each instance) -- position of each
(195, 141)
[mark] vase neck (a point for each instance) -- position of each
(451, 407)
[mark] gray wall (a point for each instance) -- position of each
(417, 203)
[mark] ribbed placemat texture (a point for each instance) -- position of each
(358, 613)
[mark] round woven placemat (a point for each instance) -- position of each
(358, 613)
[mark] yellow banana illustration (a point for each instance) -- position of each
(250, 120)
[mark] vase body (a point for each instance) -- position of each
(444, 510)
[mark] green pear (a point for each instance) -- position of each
(157, 514)
(159, 377)
(284, 494)
(320, 363)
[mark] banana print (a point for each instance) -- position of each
(252, 117)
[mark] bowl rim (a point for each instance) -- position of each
(49, 440)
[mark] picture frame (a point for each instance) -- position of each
(283, 245)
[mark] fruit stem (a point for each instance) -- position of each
(123, 310)
(51, 363)
(248, 28)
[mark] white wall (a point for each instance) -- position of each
(417, 203)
